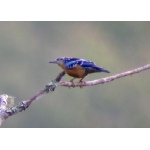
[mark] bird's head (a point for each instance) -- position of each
(58, 61)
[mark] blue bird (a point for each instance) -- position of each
(78, 68)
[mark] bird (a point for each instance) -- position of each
(77, 67)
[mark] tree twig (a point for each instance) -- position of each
(5, 111)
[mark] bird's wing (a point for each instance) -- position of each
(87, 64)
(72, 63)
(91, 67)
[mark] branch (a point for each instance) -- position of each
(6, 109)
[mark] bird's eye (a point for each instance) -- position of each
(58, 59)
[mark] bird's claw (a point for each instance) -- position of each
(81, 86)
(72, 85)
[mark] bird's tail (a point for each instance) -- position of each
(99, 69)
(105, 71)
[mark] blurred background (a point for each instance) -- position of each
(27, 47)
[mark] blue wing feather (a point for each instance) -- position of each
(71, 63)
(89, 66)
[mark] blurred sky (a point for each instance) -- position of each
(27, 47)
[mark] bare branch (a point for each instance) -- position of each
(6, 111)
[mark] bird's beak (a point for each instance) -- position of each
(53, 62)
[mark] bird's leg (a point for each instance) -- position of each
(81, 81)
(72, 82)
(83, 78)
(72, 79)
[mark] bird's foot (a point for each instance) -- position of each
(73, 85)
(81, 86)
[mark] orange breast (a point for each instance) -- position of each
(77, 72)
